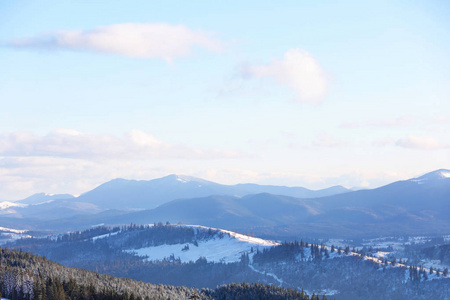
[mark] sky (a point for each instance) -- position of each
(296, 93)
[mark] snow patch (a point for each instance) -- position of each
(419, 181)
(181, 180)
(44, 202)
(445, 174)
(12, 230)
(326, 292)
(104, 236)
(7, 204)
(380, 254)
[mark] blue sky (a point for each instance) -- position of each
(309, 93)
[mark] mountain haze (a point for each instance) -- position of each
(42, 197)
(143, 194)
(415, 206)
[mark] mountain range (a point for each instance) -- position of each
(134, 194)
(416, 206)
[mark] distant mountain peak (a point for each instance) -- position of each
(181, 178)
(444, 173)
(39, 198)
(186, 178)
(433, 176)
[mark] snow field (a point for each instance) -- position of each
(227, 249)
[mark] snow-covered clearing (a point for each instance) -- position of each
(435, 264)
(104, 235)
(396, 243)
(227, 249)
(380, 254)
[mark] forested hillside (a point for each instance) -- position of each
(340, 272)
(27, 276)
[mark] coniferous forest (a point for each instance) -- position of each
(341, 272)
(27, 276)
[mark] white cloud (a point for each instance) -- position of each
(441, 119)
(73, 144)
(402, 121)
(68, 161)
(385, 123)
(298, 70)
(419, 142)
(138, 40)
(327, 140)
(383, 142)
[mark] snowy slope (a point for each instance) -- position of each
(10, 234)
(240, 237)
(7, 204)
(227, 247)
(10, 230)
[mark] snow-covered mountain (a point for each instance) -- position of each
(10, 208)
(438, 176)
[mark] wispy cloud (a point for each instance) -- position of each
(135, 144)
(402, 121)
(68, 161)
(385, 123)
(384, 142)
(138, 40)
(327, 140)
(441, 119)
(298, 70)
(419, 142)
